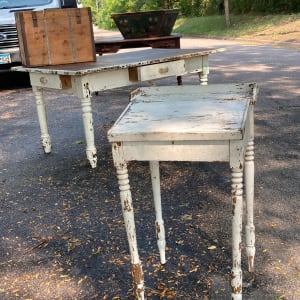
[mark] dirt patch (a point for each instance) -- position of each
(287, 32)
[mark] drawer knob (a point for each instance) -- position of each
(43, 80)
(163, 70)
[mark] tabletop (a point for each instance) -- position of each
(121, 61)
(177, 113)
(120, 39)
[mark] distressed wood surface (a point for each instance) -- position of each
(220, 114)
(122, 60)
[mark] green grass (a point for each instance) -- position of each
(242, 25)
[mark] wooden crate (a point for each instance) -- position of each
(55, 36)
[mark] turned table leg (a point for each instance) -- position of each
(41, 111)
(249, 193)
(237, 212)
(203, 75)
(88, 126)
(128, 214)
(179, 80)
(203, 78)
(159, 223)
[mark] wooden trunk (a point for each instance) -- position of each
(145, 24)
(55, 36)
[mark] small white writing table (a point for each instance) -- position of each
(111, 71)
(188, 123)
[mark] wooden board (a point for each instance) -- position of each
(55, 36)
(114, 44)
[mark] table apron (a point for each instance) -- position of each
(51, 81)
(212, 151)
(78, 84)
(197, 64)
(109, 79)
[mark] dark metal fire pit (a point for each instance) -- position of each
(145, 24)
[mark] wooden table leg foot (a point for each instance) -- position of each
(92, 157)
(179, 80)
(138, 281)
(203, 78)
(236, 284)
(46, 143)
(250, 248)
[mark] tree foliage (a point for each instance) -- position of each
(265, 6)
(102, 9)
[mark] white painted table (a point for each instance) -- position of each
(188, 123)
(111, 71)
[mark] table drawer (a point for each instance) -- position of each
(156, 71)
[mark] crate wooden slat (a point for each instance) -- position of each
(55, 36)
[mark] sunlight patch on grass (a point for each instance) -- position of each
(242, 25)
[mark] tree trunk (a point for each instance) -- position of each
(227, 15)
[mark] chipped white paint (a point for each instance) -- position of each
(168, 69)
(191, 123)
(112, 71)
(249, 183)
(159, 222)
(237, 212)
(184, 113)
(41, 111)
(127, 209)
(88, 126)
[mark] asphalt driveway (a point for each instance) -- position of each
(62, 234)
